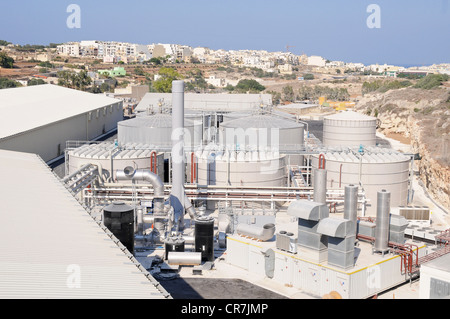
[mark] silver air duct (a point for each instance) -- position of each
(129, 173)
(382, 223)
(320, 186)
(351, 206)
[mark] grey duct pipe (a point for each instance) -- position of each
(264, 233)
(129, 173)
(382, 222)
(351, 206)
(320, 186)
(177, 197)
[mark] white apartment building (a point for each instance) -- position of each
(315, 60)
(72, 49)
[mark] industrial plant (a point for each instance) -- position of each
(196, 187)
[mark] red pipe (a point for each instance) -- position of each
(153, 161)
(321, 161)
(193, 168)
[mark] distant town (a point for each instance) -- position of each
(113, 57)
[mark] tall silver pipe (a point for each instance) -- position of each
(382, 223)
(177, 197)
(320, 186)
(351, 206)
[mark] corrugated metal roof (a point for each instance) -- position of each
(157, 121)
(262, 121)
(52, 248)
(371, 155)
(224, 102)
(26, 108)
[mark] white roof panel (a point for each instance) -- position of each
(52, 248)
(26, 108)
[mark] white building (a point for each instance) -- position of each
(72, 49)
(315, 60)
(41, 119)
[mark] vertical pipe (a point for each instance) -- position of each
(178, 168)
(320, 186)
(351, 206)
(382, 222)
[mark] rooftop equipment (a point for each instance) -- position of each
(382, 222)
(119, 219)
(204, 237)
(264, 233)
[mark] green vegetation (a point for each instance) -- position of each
(251, 86)
(6, 83)
(308, 76)
(198, 83)
(35, 82)
(313, 93)
(74, 80)
(6, 61)
(164, 83)
(383, 86)
(4, 43)
(431, 81)
(288, 93)
(46, 65)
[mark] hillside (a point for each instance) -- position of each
(421, 118)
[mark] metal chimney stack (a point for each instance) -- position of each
(178, 161)
(382, 223)
(351, 206)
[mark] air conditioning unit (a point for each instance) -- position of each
(287, 242)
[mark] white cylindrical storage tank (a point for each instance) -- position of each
(112, 158)
(157, 130)
(241, 170)
(377, 169)
(349, 129)
(264, 133)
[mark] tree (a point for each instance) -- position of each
(74, 80)
(6, 61)
(249, 86)
(288, 93)
(308, 76)
(6, 83)
(164, 83)
(35, 82)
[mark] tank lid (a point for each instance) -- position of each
(118, 207)
(350, 116)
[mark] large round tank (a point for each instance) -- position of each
(112, 158)
(119, 219)
(157, 130)
(378, 169)
(349, 129)
(266, 169)
(262, 132)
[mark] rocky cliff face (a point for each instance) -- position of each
(422, 118)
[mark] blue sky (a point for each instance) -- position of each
(414, 32)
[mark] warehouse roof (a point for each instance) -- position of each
(26, 108)
(52, 248)
(215, 102)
